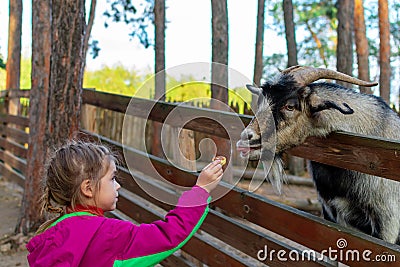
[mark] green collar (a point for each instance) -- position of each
(72, 214)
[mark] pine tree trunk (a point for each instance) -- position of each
(290, 32)
(345, 15)
(258, 57)
(159, 22)
(384, 51)
(89, 27)
(219, 69)
(361, 45)
(39, 97)
(296, 164)
(57, 74)
(14, 45)
(66, 73)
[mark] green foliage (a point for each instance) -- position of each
(139, 16)
(26, 69)
(119, 80)
(313, 19)
(2, 63)
(116, 79)
(25, 78)
(2, 79)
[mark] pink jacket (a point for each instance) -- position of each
(84, 239)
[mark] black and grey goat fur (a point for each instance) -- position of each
(365, 202)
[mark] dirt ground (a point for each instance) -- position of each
(11, 254)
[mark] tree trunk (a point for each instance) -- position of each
(384, 51)
(67, 64)
(345, 16)
(361, 45)
(258, 57)
(296, 164)
(290, 32)
(57, 74)
(13, 66)
(89, 27)
(258, 61)
(39, 97)
(219, 70)
(159, 23)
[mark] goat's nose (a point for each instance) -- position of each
(246, 135)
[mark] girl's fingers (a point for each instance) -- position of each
(212, 165)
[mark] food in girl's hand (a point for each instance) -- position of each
(220, 158)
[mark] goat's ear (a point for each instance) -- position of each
(318, 104)
(255, 90)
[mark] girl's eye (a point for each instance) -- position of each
(114, 178)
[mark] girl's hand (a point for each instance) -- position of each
(210, 176)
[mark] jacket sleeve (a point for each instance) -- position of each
(148, 244)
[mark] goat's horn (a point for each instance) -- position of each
(306, 75)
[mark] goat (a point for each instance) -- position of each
(300, 108)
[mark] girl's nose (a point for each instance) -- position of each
(117, 186)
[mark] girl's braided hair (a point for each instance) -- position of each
(66, 169)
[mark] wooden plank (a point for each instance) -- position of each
(18, 93)
(3, 93)
(218, 123)
(14, 148)
(371, 155)
(105, 100)
(376, 156)
(172, 261)
(19, 120)
(15, 162)
(301, 227)
(143, 214)
(11, 175)
(17, 135)
(220, 226)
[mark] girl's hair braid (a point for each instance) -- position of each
(65, 171)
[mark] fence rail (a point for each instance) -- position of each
(241, 223)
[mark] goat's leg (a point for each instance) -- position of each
(387, 227)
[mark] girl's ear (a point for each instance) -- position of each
(86, 188)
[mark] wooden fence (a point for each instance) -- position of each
(241, 224)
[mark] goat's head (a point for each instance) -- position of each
(290, 109)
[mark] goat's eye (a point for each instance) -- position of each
(289, 107)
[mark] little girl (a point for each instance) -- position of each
(80, 180)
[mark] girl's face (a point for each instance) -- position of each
(107, 195)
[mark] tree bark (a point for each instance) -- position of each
(67, 63)
(89, 27)
(13, 66)
(361, 45)
(296, 164)
(159, 23)
(219, 71)
(55, 99)
(258, 57)
(345, 16)
(290, 32)
(39, 97)
(384, 51)
(220, 48)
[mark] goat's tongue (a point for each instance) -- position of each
(243, 149)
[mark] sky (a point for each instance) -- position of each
(188, 36)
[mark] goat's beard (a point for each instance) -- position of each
(275, 173)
